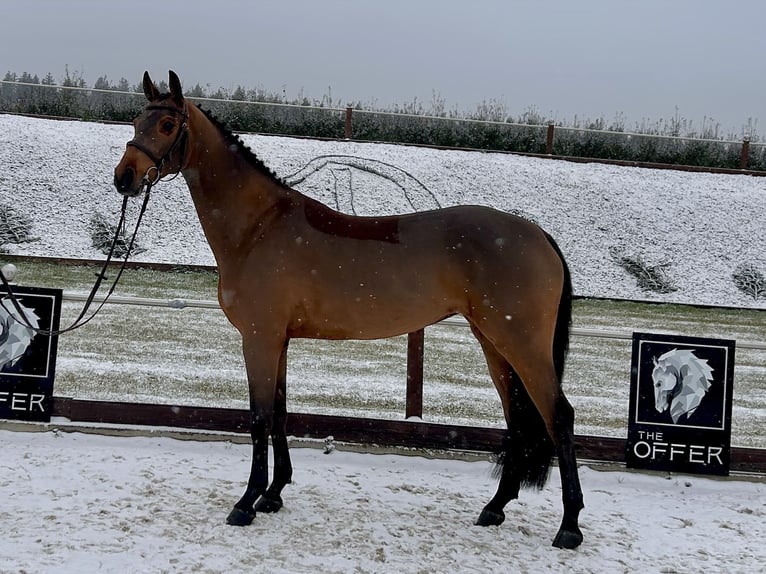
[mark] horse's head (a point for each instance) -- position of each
(665, 380)
(159, 144)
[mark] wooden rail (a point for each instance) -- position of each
(384, 432)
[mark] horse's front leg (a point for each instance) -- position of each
(262, 362)
(271, 500)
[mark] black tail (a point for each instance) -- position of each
(564, 319)
(528, 449)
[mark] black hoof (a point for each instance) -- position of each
(490, 518)
(268, 505)
(239, 517)
(568, 539)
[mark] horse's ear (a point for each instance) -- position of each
(175, 88)
(150, 90)
(654, 359)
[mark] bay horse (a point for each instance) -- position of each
(291, 267)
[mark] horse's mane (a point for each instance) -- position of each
(231, 138)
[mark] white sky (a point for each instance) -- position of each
(644, 59)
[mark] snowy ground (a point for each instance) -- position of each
(86, 503)
(703, 225)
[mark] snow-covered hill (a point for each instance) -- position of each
(59, 174)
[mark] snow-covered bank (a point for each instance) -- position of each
(703, 225)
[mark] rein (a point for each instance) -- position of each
(180, 141)
(100, 276)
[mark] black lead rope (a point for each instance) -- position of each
(81, 319)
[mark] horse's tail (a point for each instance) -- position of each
(564, 318)
(528, 449)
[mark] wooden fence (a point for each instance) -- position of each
(113, 106)
(411, 432)
(383, 432)
(550, 138)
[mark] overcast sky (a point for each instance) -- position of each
(646, 60)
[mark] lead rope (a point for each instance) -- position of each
(100, 276)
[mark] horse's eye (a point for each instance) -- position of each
(168, 126)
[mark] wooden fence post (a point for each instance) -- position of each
(414, 402)
(549, 140)
(349, 112)
(745, 154)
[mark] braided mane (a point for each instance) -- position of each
(231, 138)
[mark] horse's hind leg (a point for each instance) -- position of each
(271, 500)
(539, 417)
(526, 449)
(559, 418)
(569, 534)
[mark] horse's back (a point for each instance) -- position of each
(390, 275)
(489, 248)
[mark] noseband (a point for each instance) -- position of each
(180, 141)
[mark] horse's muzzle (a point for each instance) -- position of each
(127, 183)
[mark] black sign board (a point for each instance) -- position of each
(680, 404)
(28, 359)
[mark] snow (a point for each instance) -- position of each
(76, 502)
(704, 225)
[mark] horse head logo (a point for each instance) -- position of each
(681, 381)
(14, 336)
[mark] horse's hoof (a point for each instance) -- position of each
(490, 518)
(568, 539)
(268, 505)
(239, 517)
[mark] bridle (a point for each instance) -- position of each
(181, 140)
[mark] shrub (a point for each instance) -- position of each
(648, 277)
(419, 125)
(102, 234)
(750, 280)
(15, 227)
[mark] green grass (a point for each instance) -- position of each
(193, 357)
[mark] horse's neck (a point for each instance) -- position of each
(232, 197)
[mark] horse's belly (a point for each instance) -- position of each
(370, 317)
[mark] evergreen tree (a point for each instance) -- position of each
(220, 94)
(102, 83)
(196, 92)
(239, 94)
(73, 81)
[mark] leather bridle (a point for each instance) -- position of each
(182, 137)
